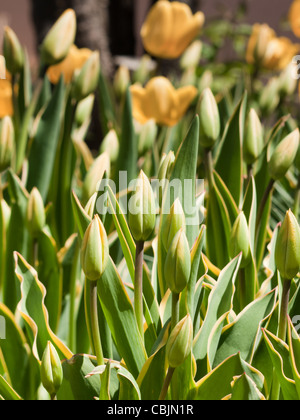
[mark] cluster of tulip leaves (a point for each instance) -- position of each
(236, 353)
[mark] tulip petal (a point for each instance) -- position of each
(6, 104)
(184, 97)
(294, 17)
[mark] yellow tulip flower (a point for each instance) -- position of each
(169, 29)
(160, 101)
(258, 43)
(294, 17)
(6, 101)
(74, 61)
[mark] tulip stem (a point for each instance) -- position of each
(95, 322)
(263, 203)
(166, 384)
(138, 286)
(209, 167)
(175, 310)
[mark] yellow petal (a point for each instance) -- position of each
(6, 103)
(294, 17)
(185, 96)
(138, 100)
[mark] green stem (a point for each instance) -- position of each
(263, 203)
(175, 310)
(242, 287)
(138, 286)
(72, 318)
(95, 322)
(166, 384)
(209, 168)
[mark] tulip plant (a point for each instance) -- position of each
(165, 265)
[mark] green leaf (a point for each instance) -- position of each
(107, 112)
(230, 165)
(120, 317)
(43, 150)
(242, 334)
(244, 389)
(7, 392)
(294, 345)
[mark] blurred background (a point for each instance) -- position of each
(113, 26)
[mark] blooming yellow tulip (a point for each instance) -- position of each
(160, 101)
(6, 102)
(169, 29)
(258, 43)
(294, 17)
(74, 61)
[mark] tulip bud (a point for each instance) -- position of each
(240, 240)
(121, 81)
(284, 155)
(51, 370)
(142, 211)
(180, 342)
(164, 171)
(59, 39)
(288, 79)
(287, 251)
(147, 136)
(172, 224)
(94, 250)
(254, 141)
(95, 174)
(36, 218)
(191, 56)
(12, 51)
(270, 97)
(86, 81)
(209, 119)
(90, 206)
(84, 109)
(178, 263)
(297, 159)
(7, 142)
(111, 145)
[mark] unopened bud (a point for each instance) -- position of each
(91, 205)
(51, 370)
(59, 39)
(209, 119)
(121, 81)
(270, 97)
(99, 168)
(36, 218)
(87, 80)
(287, 251)
(180, 342)
(84, 109)
(254, 140)
(111, 145)
(164, 171)
(240, 240)
(178, 263)
(7, 143)
(284, 155)
(172, 224)
(297, 159)
(13, 52)
(142, 210)
(94, 250)
(147, 135)
(192, 55)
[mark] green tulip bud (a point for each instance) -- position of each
(284, 155)
(297, 159)
(287, 80)
(254, 140)
(7, 142)
(287, 251)
(172, 224)
(59, 39)
(192, 55)
(270, 97)
(142, 209)
(178, 263)
(111, 145)
(91, 204)
(84, 109)
(51, 370)
(95, 174)
(87, 80)
(36, 218)
(121, 81)
(240, 240)
(13, 52)
(164, 171)
(210, 124)
(147, 135)
(180, 342)
(94, 250)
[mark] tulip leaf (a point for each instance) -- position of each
(244, 389)
(107, 112)
(220, 302)
(33, 311)
(43, 150)
(279, 354)
(129, 389)
(7, 392)
(230, 165)
(81, 217)
(120, 317)
(294, 345)
(242, 334)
